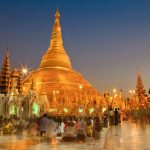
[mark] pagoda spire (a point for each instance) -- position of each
(140, 87)
(56, 42)
(56, 55)
(138, 71)
(5, 75)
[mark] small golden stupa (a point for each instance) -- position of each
(65, 88)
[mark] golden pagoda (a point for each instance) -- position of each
(65, 88)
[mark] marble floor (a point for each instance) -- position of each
(32, 142)
(127, 136)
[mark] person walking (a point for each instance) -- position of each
(96, 128)
(51, 130)
(116, 115)
(111, 117)
(44, 122)
(89, 129)
(105, 119)
(81, 132)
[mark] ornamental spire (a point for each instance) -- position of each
(56, 55)
(56, 42)
(140, 88)
(139, 79)
(138, 71)
(5, 75)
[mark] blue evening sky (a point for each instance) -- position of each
(105, 39)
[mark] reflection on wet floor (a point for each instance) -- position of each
(21, 145)
(127, 136)
(29, 142)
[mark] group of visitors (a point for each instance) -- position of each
(114, 116)
(70, 128)
(13, 125)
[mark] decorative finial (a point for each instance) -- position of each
(7, 52)
(57, 7)
(57, 4)
(57, 14)
(138, 70)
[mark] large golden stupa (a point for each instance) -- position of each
(55, 76)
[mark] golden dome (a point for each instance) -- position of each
(49, 79)
(56, 55)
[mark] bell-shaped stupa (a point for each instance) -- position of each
(65, 88)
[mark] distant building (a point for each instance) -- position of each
(13, 102)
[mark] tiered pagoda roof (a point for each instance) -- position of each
(5, 75)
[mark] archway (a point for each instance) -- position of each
(13, 110)
(35, 109)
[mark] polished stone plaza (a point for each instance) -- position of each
(127, 136)
(29, 142)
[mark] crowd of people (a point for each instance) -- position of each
(12, 125)
(114, 116)
(70, 128)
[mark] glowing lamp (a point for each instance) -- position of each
(80, 110)
(103, 109)
(24, 71)
(91, 110)
(80, 87)
(52, 110)
(114, 90)
(65, 110)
